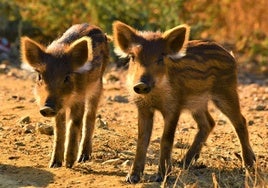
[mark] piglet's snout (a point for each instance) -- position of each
(48, 110)
(142, 88)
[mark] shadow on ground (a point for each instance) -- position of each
(15, 177)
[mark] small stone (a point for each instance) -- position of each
(45, 129)
(32, 100)
(29, 129)
(250, 122)
(19, 144)
(121, 99)
(185, 130)
(109, 99)
(19, 107)
(25, 120)
(101, 124)
(14, 96)
(13, 157)
(260, 107)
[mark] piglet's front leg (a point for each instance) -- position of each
(145, 125)
(59, 139)
(87, 133)
(73, 134)
(164, 168)
(91, 106)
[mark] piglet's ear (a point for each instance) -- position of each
(177, 40)
(80, 52)
(124, 36)
(31, 52)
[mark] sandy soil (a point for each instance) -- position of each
(25, 152)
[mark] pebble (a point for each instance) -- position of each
(19, 98)
(19, 144)
(25, 120)
(13, 157)
(32, 100)
(101, 123)
(250, 122)
(118, 98)
(260, 107)
(185, 130)
(121, 99)
(45, 129)
(29, 129)
(19, 107)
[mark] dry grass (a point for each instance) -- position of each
(216, 179)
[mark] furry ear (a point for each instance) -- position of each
(31, 52)
(124, 36)
(177, 40)
(80, 53)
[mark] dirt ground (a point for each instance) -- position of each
(25, 152)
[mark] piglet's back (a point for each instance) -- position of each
(100, 48)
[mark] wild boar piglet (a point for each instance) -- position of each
(69, 86)
(169, 73)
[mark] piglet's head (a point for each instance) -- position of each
(58, 66)
(149, 53)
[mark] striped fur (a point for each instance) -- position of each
(159, 79)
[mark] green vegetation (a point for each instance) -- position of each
(146, 14)
(241, 24)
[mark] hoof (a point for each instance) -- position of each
(69, 165)
(250, 162)
(251, 167)
(69, 161)
(183, 164)
(55, 164)
(133, 179)
(83, 158)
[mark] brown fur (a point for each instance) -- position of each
(161, 77)
(69, 86)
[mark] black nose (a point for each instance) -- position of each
(47, 111)
(142, 88)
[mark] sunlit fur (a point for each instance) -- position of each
(69, 86)
(169, 73)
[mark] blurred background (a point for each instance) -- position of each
(239, 25)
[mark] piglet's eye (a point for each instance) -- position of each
(161, 59)
(131, 57)
(67, 79)
(39, 77)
